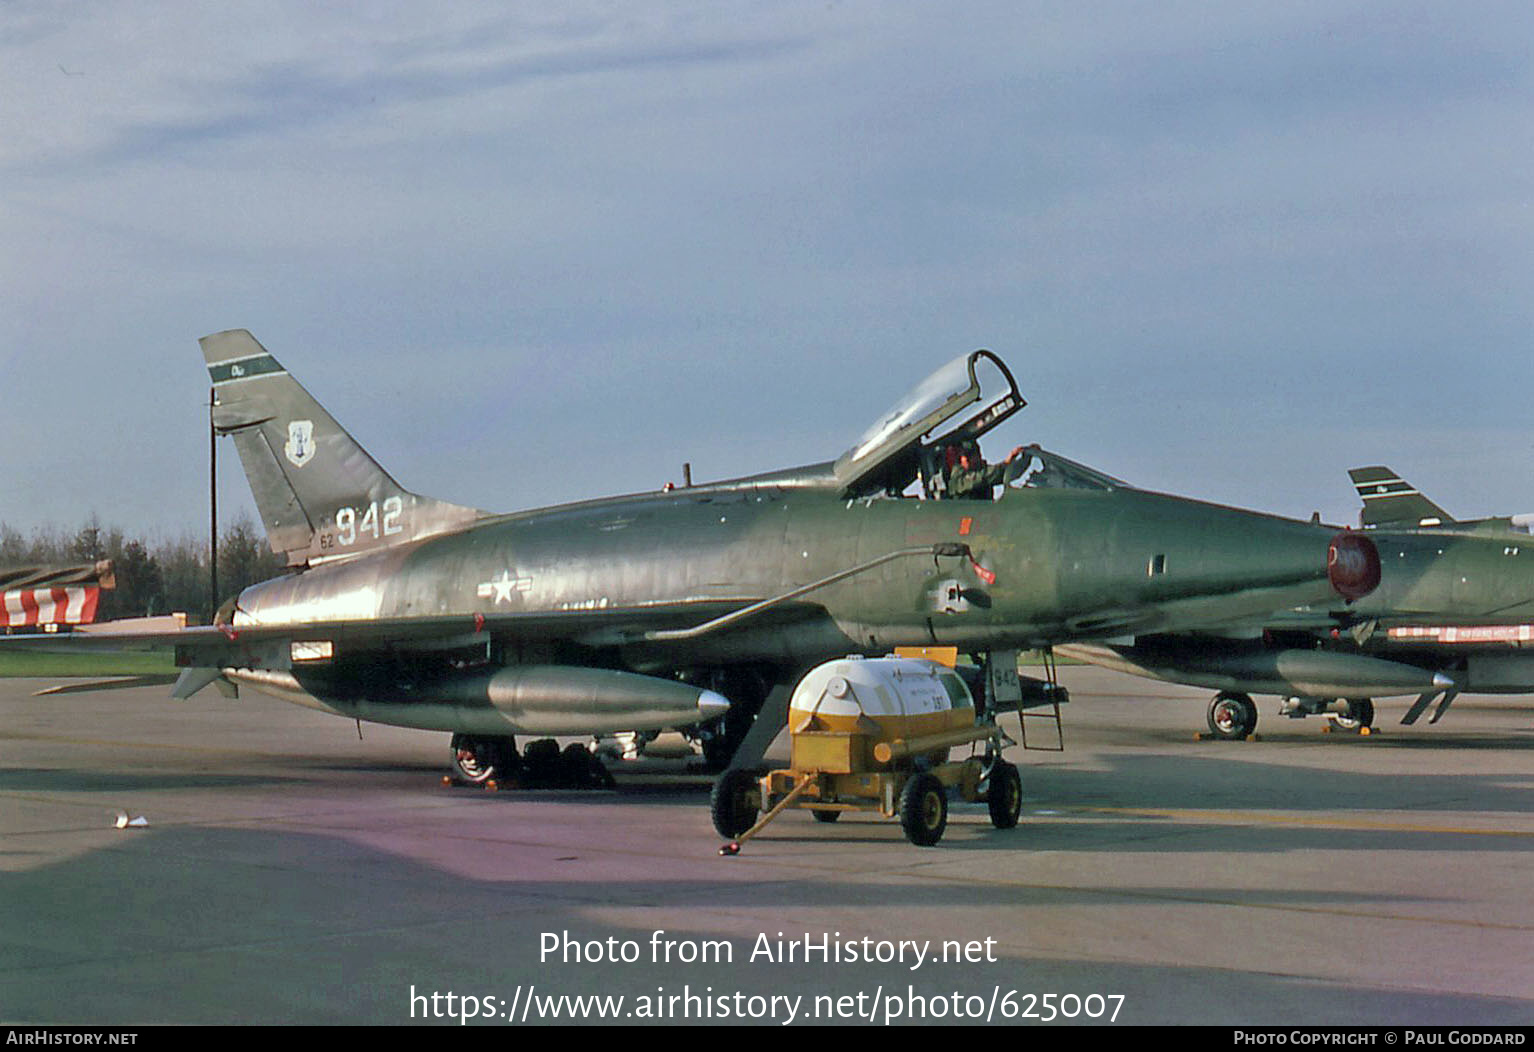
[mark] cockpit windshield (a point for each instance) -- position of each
(960, 402)
(1038, 468)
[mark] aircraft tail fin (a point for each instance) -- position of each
(319, 493)
(1389, 500)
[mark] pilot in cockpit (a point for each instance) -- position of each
(966, 475)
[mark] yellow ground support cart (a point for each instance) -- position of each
(874, 734)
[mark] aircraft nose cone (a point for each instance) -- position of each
(711, 706)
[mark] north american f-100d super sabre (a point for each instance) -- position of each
(686, 608)
(1454, 612)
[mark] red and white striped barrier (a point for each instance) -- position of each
(64, 605)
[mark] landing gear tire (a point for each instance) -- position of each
(540, 763)
(480, 760)
(826, 816)
(579, 768)
(1360, 714)
(1005, 797)
(1232, 716)
(734, 802)
(924, 810)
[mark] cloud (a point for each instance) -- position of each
(173, 107)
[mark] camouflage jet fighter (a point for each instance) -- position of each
(660, 609)
(1453, 613)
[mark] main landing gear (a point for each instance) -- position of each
(493, 762)
(478, 761)
(1346, 714)
(1232, 716)
(1358, 715)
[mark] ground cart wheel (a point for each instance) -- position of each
(924, 810)
(735, 802)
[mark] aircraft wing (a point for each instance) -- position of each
(212, 646)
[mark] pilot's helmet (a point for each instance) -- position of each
(957, 451)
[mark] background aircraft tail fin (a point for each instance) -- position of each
(1389, 500)
(319, 493)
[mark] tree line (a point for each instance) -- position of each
(157, 576)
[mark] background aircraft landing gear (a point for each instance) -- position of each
(1359, 715)
(542, 765)
(480, 760)
(546, 766)
(1232, 716)
(580, 768)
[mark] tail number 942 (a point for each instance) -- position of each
(349, 527)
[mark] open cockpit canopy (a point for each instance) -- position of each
(960, 402)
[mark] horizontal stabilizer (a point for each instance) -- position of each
(115, 683)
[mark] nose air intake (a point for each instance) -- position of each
(1352, 565)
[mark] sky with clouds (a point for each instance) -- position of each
(530, 253)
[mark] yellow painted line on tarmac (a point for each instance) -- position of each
(1330, 822)
(120, 743)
